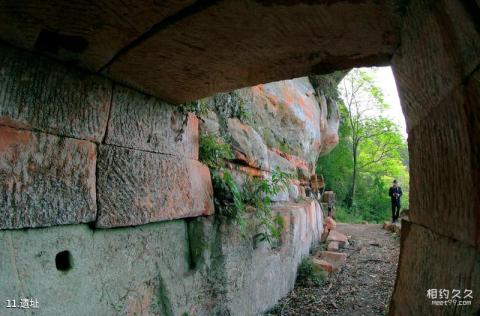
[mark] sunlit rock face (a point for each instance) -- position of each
(290, 118)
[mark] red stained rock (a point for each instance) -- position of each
(322, 264)
(330, 223)
(332, 246)
(45, 180)
(336, 236)
(137, 187)
(41, 94)
(336, 259)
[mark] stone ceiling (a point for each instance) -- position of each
(181, 50)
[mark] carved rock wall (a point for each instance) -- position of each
(438, 79)
(74, 148)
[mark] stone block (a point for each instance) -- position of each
(330, 223)
(137, 187)
(445, 147)
(105, 271)
(336, 259)
(40, 94)
(322, 264)
(336, 236)
(440, 47)
(333, 245)
(432, 261)
(45, 180)
(143, 122)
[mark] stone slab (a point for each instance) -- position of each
(444, 172)
(137, 187)
(81, 33)
(432, 261)
(322, 264)
(440, 47)
(205, 52)
(40, 94)
(336, 259)
(143, 122)
(134, 271)
(337, 236)
(333, 245)
(45, 180)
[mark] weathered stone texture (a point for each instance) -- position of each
(193, 58)
(143, 122)
(287, 116)
(45, 180)
(440, 46)
(79, 32)
(201, 268)
(444, 193)
(247, 145)
(256, 278)
(431, 261)
(136, 187)
(41, 94)
(135, 271)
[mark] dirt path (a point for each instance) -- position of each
(362, 287)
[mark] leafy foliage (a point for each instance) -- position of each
(309, 273)
(371, 153)
(231, 202)
(214, 151)
(257, 194)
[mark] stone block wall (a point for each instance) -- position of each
(437, 73)
(75, 148)
(79, 156)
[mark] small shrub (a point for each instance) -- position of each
(309, 273)
(199, 108)
(228, 199)
(214, 151)
(257, 193)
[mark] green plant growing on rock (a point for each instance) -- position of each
(199, 108)
(231, 202)
(309, 273)
(284, 148)
(229, 199)
(258, 193)
(214, 151)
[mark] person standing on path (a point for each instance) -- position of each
(395, 194)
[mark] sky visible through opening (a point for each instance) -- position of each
(384, 79)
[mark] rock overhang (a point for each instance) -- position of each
(183, 50)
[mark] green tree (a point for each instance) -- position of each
(371, 152)
(363, 101)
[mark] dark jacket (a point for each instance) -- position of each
(395, 193)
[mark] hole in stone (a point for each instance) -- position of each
(64, 260)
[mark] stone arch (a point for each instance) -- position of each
(196, 49)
